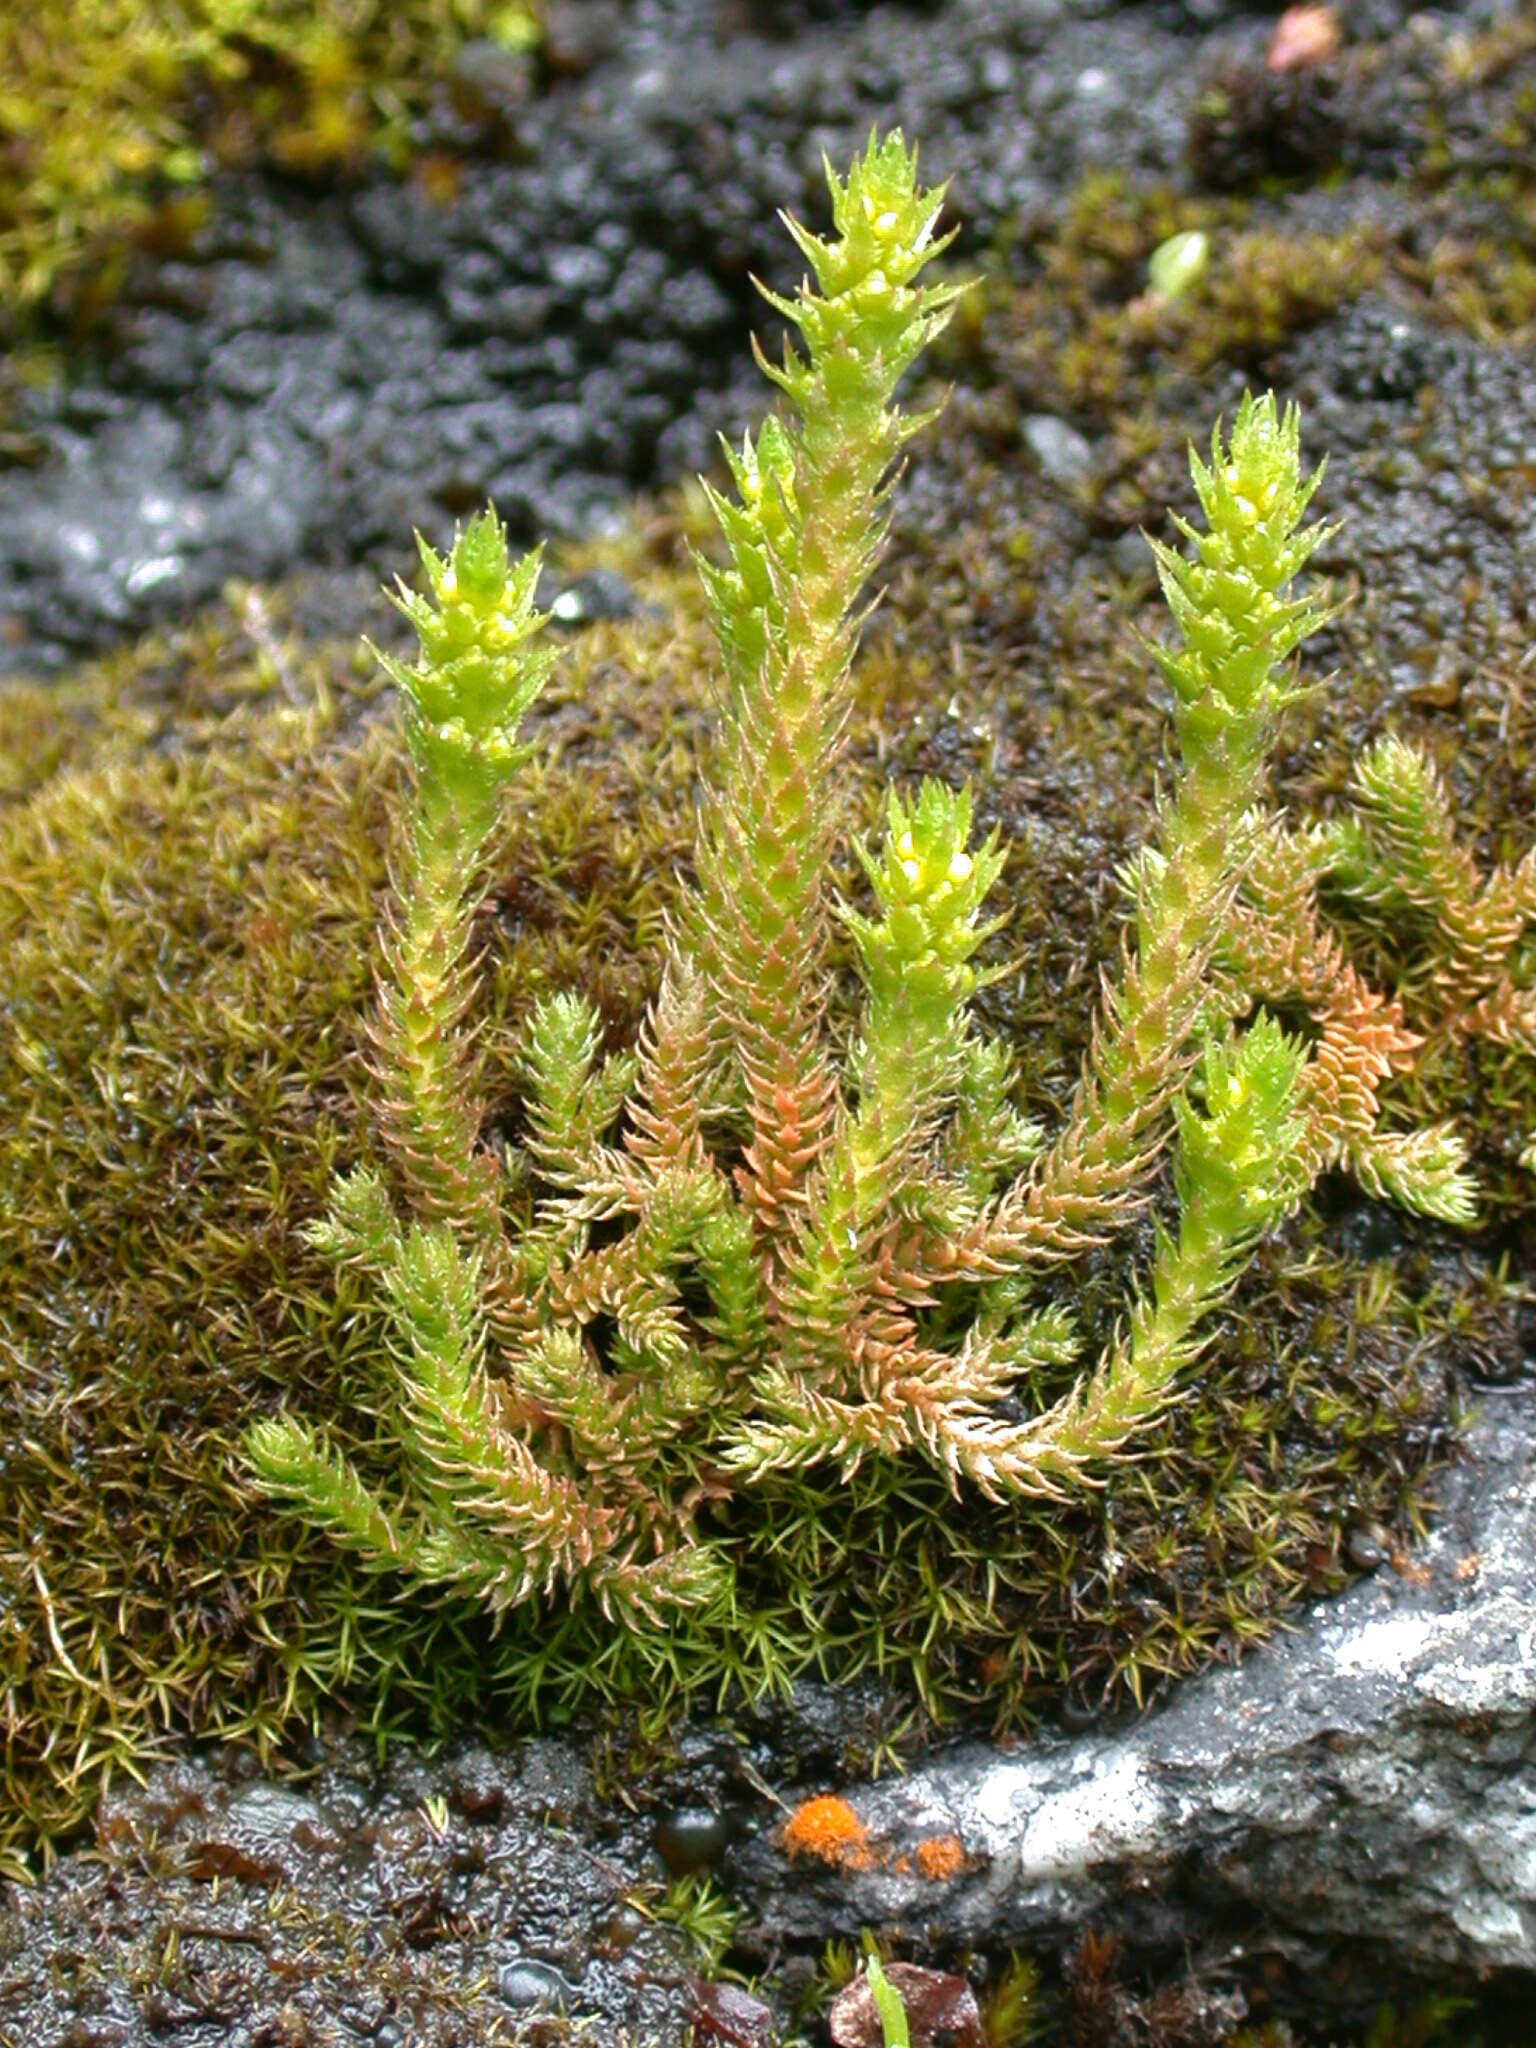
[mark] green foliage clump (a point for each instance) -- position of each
(107, 107)
(1462, 941)
(740, 1255)
(192, 850)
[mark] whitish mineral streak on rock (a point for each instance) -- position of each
(1359, 1795)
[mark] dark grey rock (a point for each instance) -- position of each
(1361, 1793)
(315, 378)
(593, 271)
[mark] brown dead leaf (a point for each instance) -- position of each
(941, 2011)
(729, 2015)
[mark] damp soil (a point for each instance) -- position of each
(575, 1889)
(477, 1898)
(535, 1893)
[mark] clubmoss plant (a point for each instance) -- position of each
(737, 1256)
(1464, 940)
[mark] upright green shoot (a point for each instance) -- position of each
(735, 1257)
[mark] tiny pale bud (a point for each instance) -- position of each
(1176, 264)
(1304, 36)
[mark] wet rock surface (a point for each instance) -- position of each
(474, 1899)
(316, 374)
(1347, 1810)
(470, 1899)
(1427, 542)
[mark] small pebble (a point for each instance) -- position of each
(499, 78)
(730, 2016)
(1076, 1716)
(578, 34)
(595, 594)
(691, 1838)
(1366, 1545)
(526, 1984)
(477, 1790)
(620, 1930)
(1131, 555)
(1304, 36)
(1063, 454)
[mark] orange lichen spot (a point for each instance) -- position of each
(1409, 1568)
(940, 1857)
(827, 1830)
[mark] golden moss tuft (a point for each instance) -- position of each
(1084, 331)
(112, 111)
